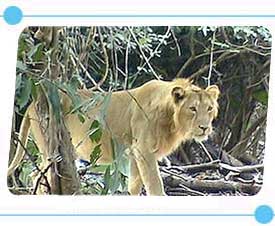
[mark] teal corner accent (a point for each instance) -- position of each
(264, 214)
(13, 15)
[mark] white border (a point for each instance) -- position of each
(48, 204)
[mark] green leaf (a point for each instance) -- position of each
(26, 170)
(95, 155)
(95, 131)
(35, 52)
(34, 90)
(81, 117)
(38, 55)
(107, 181)
(120, 157)
(54, 99)
(116, 177)
(103, 109)
(75, 82)
(142, 41)
(261, 96)
(22, 46)
(120, 166)
(92, 102)
(113, 145)
(72, 93)
(24, 93)
(83, 105)
(32, 148)
(123, 165)
(18, 82)
(21, 66)
(120, 36)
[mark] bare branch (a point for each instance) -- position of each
(143, 54)
(211, 58)
(176, 42)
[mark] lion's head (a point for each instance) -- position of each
(195, 109)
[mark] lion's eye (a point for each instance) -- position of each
(210, 108)
(193, 109)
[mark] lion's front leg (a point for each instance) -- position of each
(135, 182)
(148, 170)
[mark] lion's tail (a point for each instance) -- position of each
(23, 137)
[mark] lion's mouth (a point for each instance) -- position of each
(201, 137)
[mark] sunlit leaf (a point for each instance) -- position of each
(261, 96)
(96, 131)
(21, 66)
(95, 155)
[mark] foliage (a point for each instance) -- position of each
(237, 58)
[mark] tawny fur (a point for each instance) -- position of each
(151, 120)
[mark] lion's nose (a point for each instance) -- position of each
(203, 128)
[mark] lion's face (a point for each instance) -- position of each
(195, 110)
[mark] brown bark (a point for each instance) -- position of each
(59, 156)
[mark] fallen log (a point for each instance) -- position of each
(214, 165)
(208, 186)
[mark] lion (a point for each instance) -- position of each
(151, 120)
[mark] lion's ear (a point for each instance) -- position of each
(178, 94)
(213, 91)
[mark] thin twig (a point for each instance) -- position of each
(88, 74)
(258, 82)
(206, 152)
(106, 58)
(211, 58)
(222, 57)
(30, 157)
(126, 62)
(42, 176)
(176, 42)
(143, 54)
(139, 106)
(166, 35)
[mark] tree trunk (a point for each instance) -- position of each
(58, 159)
